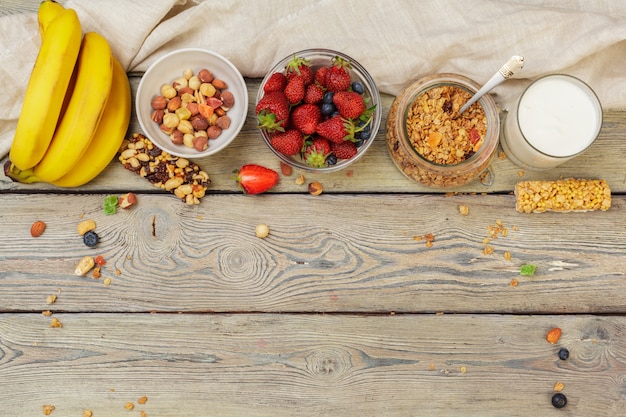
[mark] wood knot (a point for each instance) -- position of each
(329, 363)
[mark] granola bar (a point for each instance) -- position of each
(562, 195)
(181, 177)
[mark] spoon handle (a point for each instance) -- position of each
(505, 72)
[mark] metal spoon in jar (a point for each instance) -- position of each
(505, 72)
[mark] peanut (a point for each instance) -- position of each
(85, 265)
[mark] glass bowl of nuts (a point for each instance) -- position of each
(318, 110)
(431, 143)
(191, 102)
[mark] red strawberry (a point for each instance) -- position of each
(256, 179)
(294, 91)
(314, 93)
(300, 67)
(349, 104)
(273, 111)
(320, 76)
(338, 76)
(276, 82)
(289, 142)
(344, 150)
(316, 152)
(305, 118)
(336, 129)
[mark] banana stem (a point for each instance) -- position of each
(17, 175)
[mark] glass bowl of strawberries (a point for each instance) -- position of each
(318, 110)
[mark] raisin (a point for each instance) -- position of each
(447, 106)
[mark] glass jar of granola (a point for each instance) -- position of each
(431, 143)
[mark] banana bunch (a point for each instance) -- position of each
(76, 108)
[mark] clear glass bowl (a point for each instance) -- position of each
(414, 164)
(318, 58)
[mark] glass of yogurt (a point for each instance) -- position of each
(556, 118)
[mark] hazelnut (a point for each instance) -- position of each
(228, 98)
(200, 143)
(223, 122)
(205, 75)
(213, 132)
(199, 122)
(159, 103)
(177, 137)
(157, 116)
(315, 188)
(185, 90)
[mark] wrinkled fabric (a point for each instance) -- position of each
(396, 41)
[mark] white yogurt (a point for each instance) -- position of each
(556, 118)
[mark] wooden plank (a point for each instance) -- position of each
(310, 365)
(331, 253)
(9, 7)
(375, 172)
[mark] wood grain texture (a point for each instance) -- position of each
(331, 253)
(333, 314)
(310, 365)
(375, 172)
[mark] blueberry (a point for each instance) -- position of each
(559, 400)
(327, 109)
(328, 97)
(366, 132)
(331, 159)
(563, 354)
(357, 87)
(90, 238)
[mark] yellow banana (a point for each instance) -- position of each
(46, 90)
(84, 110)
(48, 10)
(109, 134)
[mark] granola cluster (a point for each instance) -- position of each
(438, 132)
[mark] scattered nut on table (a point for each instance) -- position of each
(37, 228)
(315, 188)
(262, 230)
(85, 226)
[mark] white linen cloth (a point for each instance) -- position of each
(396, 41)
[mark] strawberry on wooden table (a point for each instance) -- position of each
(256, 179)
